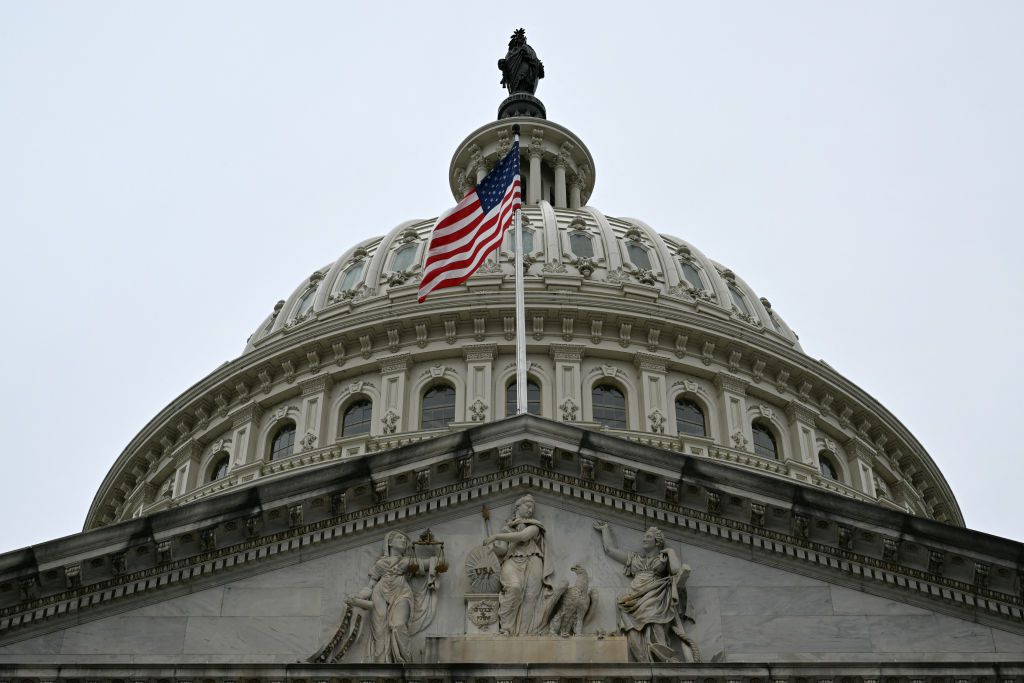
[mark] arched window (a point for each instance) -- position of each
(828, 469)
(356, 418)
(527, 240)
(764, 442)
(609, 405)
(219, 468)
(581, 245)
(532, 397)
(639, 256)
(305, 302)
(689, 418)
(351, 277)
(438, 407)
(403, 258)
(692, 275)
(738, 300)
(283, 443)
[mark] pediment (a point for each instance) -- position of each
(741, 610)
(778, 571)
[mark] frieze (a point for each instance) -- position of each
(863, 566)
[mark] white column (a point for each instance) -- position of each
(653, 379)
(312, 422)
(479, 394)
(393, 374)
(574, 191)
(859, 459)
(536, 149)
(186, 474)
(568, 399)
(560, 200)
(733, 397)
(245, 424)
(564, 156)
(533, 190)
(805, 438)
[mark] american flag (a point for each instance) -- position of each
(466, 234)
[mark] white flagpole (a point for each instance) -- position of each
(517, 225)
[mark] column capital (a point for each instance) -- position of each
(650, 362)
(479, 352)
(572, 353)
(798, 411)
(392, 364)
(727, 382)
(250, 412)
(190, 449)
(315, 385)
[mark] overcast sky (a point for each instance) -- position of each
(170, 170)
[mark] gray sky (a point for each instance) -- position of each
(170, 170)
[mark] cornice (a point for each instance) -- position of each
(767, 520)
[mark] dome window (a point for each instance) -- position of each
(283, 443)
(764, 442)
(581, 245)
(692, 275)
(609, 405)
(403, 258)
(219, 469)
(527, 241)
(266, 328)
(356, 419)
(639, 256)
(438, 407)
(738, 301)
(689, 418)
(828, 469)
(305, 302)
(351, 277)
(532, 398)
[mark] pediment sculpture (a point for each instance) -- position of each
(654, 606)
(392, 605)
(526, 572)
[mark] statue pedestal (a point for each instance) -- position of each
(522, 104)
(482, 613)
(495, 649)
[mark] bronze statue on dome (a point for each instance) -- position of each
(520, 69)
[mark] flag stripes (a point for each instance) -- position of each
(465, 235)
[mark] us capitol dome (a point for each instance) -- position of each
(691, 498)
(632, 331)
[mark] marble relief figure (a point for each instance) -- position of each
(654, 605)
(392, 608)
(525, 571)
